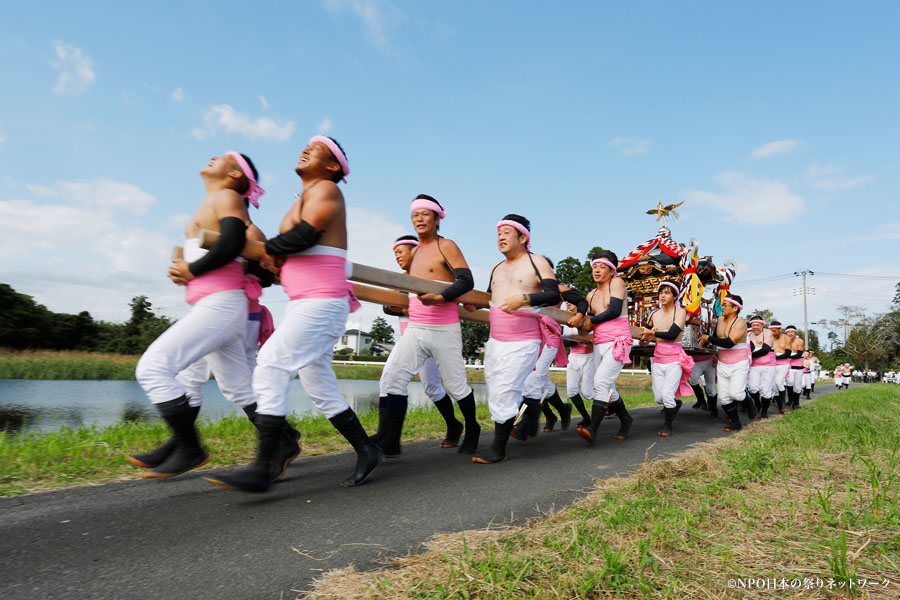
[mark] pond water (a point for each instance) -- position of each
(41, 405)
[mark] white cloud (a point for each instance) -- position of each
(223, 117)
(178, 95)
(750, 200)
(2, 138)
(825, 178)
(79, 251)
(324, 126)
(890, 231)
(264, 102)
(179, 221)
(379, 18)
(76, 70)
(40, 191)
(630, 146)
(779, 148)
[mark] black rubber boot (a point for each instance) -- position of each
(550, 417)
(256, 477)
(731, 411)
(812, 388)
(756, 401)
(779, 400)
(187, 453)
(497, 452)
(750, 407)
(701, 397)
(666, 429)
(530, 421)
(625, 419)
(382, 420)
(598, 411)
(806, 392)
(368, 455)
(712, 403)
(764, 411)
(564, 410)
(578, 403)
(154, 458)
(473, 429)
(454, 427)
(288, 447)
(396, 414)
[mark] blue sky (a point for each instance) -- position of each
(775, 122)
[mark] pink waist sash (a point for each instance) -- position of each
(253, 290)
(438, 314)
(703, 357)
(782, 361)
(731, 356)
(229, 277)
(796, 362)
(404, 323)
(673, 352)
(551, 335)
(582, 349)
(317, 276)
(766, 360)
(619, 332)
(266, 325)
(521, 325)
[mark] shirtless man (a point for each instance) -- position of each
(731, 339)
(214, 326)
(761, 379)
(781, 346)
(404, 247)
(608, 318)
(521, 280)
(671, 366)
(311, 252)
(433, 331)
(795, 375)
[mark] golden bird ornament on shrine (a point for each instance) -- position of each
(664, 212)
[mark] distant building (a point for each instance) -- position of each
(355, 340)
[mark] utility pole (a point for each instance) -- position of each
(803, 274)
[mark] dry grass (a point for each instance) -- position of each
(788, 498)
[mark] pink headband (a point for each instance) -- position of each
(666, 283)
(774, 326)
(329, 143)
(603, 261)
(404, 243)
(518, 227)
(760, 321)
(790, 329)
(427, 204)
(735, 302)
(255, 191)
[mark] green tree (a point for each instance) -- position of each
(577, 273)
(474, 336)
(382, 332)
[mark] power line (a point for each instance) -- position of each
(853, 276)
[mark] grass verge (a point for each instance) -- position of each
(33, 462)
(813, 497)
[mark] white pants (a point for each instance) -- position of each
(807, 380)
(580, 375)
(665, 378)
(538, 384)
(781, 372)
(707, 369)
(506, 367)
(304, 344)
(732, 381)
(429, 374)
(195, 376)
(762, 380)
(795, 380)
(443, 343)
(213, 328)
(838, 381)
(607, 370)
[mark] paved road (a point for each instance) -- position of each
(184, 538)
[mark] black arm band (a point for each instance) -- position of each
(787, 354)
(548, 296)
(721, 342)
(226, 249)
(762, 351)
(798, 354)
(297, 239)
(393, 313)
(669, 335)
(613, 311)
(266, 277)
(576, 300)
(463, 283)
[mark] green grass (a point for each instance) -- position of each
(32, 461)
(813, 495)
